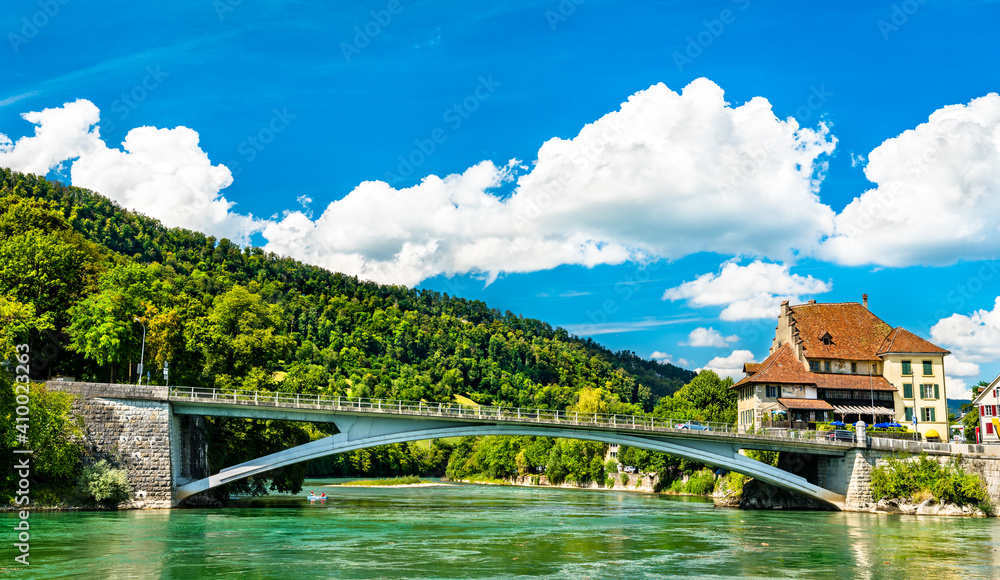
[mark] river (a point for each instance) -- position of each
(473, 531)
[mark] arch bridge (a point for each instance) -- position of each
(363, 423)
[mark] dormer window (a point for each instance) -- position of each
(827, 339)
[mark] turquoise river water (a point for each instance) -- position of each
(472, 531)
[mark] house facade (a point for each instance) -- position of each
(841, 362)
(987, 404)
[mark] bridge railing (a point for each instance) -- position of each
(643, 422)
(268, 398)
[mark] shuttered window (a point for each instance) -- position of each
(907, 391)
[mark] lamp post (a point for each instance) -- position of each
(142, 354)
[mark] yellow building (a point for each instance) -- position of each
(840, 361)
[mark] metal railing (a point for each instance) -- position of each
(483, 412)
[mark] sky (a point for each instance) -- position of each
(656, 175)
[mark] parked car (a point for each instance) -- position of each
(694, 425)
(629, 469)
(841, 435)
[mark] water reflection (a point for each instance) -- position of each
(489, 532)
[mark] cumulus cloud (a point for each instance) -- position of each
(702, 336)
(61, 133)
(957, 388)
(665, 358)
(729, 366)
(960, 368)
(937, 198)
(162, 173)
(973, 338)
(749, 292)
(667, 175)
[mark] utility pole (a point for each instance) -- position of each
(142, 355)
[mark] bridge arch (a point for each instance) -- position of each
(360, 432)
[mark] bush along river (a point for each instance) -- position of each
(477, 531)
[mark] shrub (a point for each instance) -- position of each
(733, 483)
(701, 483)
(105, 484)
(623, 477)
(609, 482)
(921, 478)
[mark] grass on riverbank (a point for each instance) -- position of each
(921, 478)
(388, 481)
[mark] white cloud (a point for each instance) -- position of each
(749, 292)
(669, 174)
(937, 198)
(957, 388)
(960, 368)
(61, 133)
(729, 366)
(160, 172)
(974, 338)
(702, 336)
(669, 359)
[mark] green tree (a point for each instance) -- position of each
(240, 333)
(43, 262)
(103, 326)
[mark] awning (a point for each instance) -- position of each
(806, 404)
(852, 410)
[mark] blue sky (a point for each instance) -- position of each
(717, 191)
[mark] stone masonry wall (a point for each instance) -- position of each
(132, 433)
(983, 462)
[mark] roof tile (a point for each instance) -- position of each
(901, 340)
(856, 333)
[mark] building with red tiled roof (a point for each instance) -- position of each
(841, 361)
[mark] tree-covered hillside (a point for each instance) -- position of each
(98, 266)
(76, 270)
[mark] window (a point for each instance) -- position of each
(928, 368)
(928, 391)
(982, 410)
(907, 391)
(826, 366)
(989, 428)
(854, 368)
(907, 369)
(927, 413)
(772, 391)
(908, 413)
(814, 366)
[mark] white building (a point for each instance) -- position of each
(988, 404)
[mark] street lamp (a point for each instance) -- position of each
(142, 355)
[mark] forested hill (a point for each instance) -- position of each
(75, 263)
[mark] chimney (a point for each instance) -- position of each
(864, 301)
